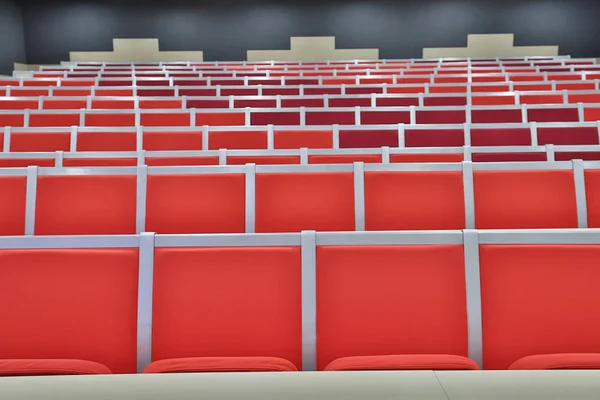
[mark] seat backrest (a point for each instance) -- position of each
(227, 300)
(70, 303)
(13, 194)
(382, 299)
(538, 298)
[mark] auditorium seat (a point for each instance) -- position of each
(242, 139)
(172, 140)
(31, 141)
(414, 200)
(109, 119)
(592, 191)
(507, 136)
(220, 119)
(297, 139)
(552, 115)
(525, 198)
(343, 158)
(296, 201)
(275, 117)
(368, 138)
(539, 300)
(12, 204)
(572, 135)
(362, 296)
(520, 156)
(229, 308)
(432, 137)
(76, 310)
(85, 204)
(106, 141)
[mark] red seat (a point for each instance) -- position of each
(100, 162)
(207, 301)
(297, 139)
(553, 115)
(525, 199)
(174, 161)
(221, 119)
(592, 192)
(558, 361)
(165, 119)
(293, 202)
(384, 117)
(27, 141)
(33, 367)
(113, 104)
(168, 140)
(220, 364)
(12, 205)
(441, 117)
(538, 299)
(362, 293)
(426, 157)
(435, 200)
(509, 157)
(434, 137)
(85, 204)
(592, 114)
(343, 158)
(241, 140)
(82, 302)
(275, 118)
(106, 141)
(479, 116)
(108, 119)
(368, 138)
(501, 137)
(201, 203)
(264, 160)
(435, 362)
(573, 135)
(66, 119)
(330, 117)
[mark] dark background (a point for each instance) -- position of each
(225, 29)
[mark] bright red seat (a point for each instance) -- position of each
(220, 364)
(436, 362)
(34, 367)
(558, 361)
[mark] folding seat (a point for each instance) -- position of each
(488, 78)
(330, 117)
(162, 104)
(40, 82)
(433, 116)
(12, 203)
(500, 115)
(435, 200)
(507, 98)
(316, 102)
(359, 288)
(489, 88)
(23, 160)
(109, 119)
(106, 141)
(189, 82)
(364, 89)
(82, 300)
(262, 159)
(236, 91)
(221, 118)
(379, 116)
(592, 114)
(447, 89)
(113, 92)
(166, 161)
(526, 77)
(53, 119)
(227, 82)
(195, 203)
(61, 104)
(210, 92)
(548, 98)
(520, 156)
(539, 304)
(576, 86)
(570, 135)
(264, 81)
(450, 79)
(507, 136)
(85, 204)
(350, 102)
(368, 138)
(152, 82)
(241, 140)
(536, 87)
(275, 117)
(301, 81)
(592, 192)
(405, 89)
(387, 80)
(172, 140)
(11, 103)
(436, 101)
(29, 92)
(577, 155)
(9, 82)
(282, 91)
(400, 101)
(322, 90)
(207, 103)
(297, 139)
(426, 157)
(434, 137)
(31, 141)
(343, 158)
(156, 92)
(584, 97)
(553, 114)
(296, 201)
(228, 289)
(524, 198)
(115, 82)
(175, 118)
(256, 103)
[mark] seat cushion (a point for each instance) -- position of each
(220, 364)
(559, 361)
(402, 362)
(22, 367)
